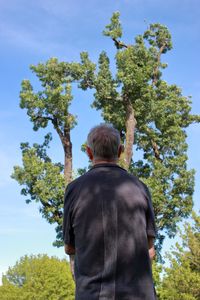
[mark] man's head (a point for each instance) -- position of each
(103, 143)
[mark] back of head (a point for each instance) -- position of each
(104, 141)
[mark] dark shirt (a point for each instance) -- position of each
(107, 217)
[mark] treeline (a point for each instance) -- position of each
(38, 278)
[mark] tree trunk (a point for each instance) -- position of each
(155, 73)
(130, 128)
(67, 145)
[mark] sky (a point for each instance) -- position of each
(34, 31)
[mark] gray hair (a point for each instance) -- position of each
(104, 141)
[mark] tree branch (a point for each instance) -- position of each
(154, 145)
(42, 118)
(54, 121)
(155, 73)
(119, 44)
(56, 215)
(58, 130)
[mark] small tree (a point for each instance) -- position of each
(182, 278)
(38, 277)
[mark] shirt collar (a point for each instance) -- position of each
(107, 165)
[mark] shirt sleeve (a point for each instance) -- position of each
(68, 231)
(150, 218)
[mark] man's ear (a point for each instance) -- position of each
(120, 150)
(89, 153)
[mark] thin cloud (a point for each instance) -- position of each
(6, 164)
(49, 6)
(63, 9)
(41, 28)
(28, 212)
(21, 38)
(4, 114)
(13, 231)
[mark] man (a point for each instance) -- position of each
(109, 226)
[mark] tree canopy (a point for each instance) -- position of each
(150, 114)
(38, 277)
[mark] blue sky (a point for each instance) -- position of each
(32, 32)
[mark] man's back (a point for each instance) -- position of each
(108, 215)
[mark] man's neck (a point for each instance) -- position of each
(97, 162)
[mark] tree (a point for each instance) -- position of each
(147, 111)
(43, 180)
(182, 278)
(38, 277)
(157, 269)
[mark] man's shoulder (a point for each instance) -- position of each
(135, 179)
(138, 182)
(77, 181)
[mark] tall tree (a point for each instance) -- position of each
(150, 114)
(38, 277)
(43, 180)
(153, 116)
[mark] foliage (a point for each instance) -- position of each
(182, 278)
(43, 180)
(114, 29)
(53, 100)
(149, 113)
(38, 277)
(160, 111)
(157, 269)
